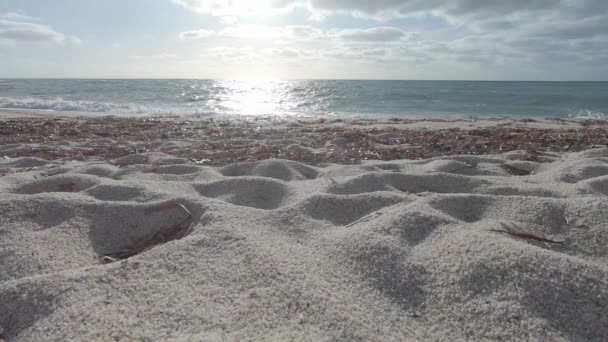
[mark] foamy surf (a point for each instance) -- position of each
(60, 105)
(589, 115)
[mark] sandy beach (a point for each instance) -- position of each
(120, 229)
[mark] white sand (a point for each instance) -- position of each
(274, 255)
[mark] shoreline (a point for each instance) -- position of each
(12, 113)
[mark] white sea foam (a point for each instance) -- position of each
(60, 105)
(589, 115)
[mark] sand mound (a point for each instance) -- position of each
(153, 247)
(283, 170)
(262, 193)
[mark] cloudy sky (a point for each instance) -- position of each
(352, 39)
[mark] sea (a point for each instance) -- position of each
(307, 98)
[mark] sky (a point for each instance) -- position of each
(305, 39)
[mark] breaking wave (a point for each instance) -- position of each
(60, 105)
(589, 115)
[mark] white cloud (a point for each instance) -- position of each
(286, 52)
(252, 32)
(156, 57)
(229, 20)
(569, 18)
(513, 38)
(224, 8)
(17, 16)
(472, 9)
(376, 34)
(196, 34)
(304, 32)
(19, 30)
(298, 33)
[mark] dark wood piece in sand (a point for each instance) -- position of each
(516, 231)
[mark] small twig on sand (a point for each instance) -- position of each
(104, 259)
(516, 231)
(376, 214)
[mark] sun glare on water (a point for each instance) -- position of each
(254, 97)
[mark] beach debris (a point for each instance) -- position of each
(178, 232)
(366, 218)
(200, 162)
(515, 230)
(104, 259)
(67, 187)
(218, 145)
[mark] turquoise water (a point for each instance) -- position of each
(308, 98)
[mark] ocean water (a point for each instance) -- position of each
(308, 98)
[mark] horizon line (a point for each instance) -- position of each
(283, 79)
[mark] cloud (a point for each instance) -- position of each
(254, 56)
(462, 10)
(286, 52)
(565, 19)
(298, 33)
(376, 34)
(237, 8)
(514, 38)
(156, 57)
(391, 8)
(483, 15)
(17, 16)
(253, 32)
(304, 32)
(229, 20)
(17, 29)
(196, 34)
(583, 28)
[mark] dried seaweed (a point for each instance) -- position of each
(67, 187)
(220, 142)
(517, 231)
